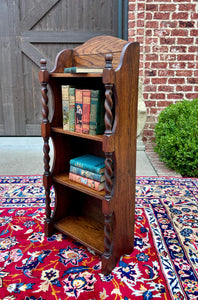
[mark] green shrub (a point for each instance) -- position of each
(176, 137)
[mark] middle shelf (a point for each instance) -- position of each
(63, 179)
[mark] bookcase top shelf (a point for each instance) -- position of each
(98, 137)
(91, 55)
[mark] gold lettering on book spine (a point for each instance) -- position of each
(108, 80)
(45, 132)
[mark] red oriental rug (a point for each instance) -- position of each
(163, 265)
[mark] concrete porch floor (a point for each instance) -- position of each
(24, 156)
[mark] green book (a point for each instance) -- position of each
(96, 125)
(71, 108)
(87, 174)
(89, 162)
(65, 105)
(83, 70)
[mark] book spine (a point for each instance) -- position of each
(96, 113)
(65, 106)
(87, 174)
(86, 111)
(87, 182)
(78, 110)
(87, 167)
(71, 108)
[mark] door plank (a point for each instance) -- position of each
(36, 14)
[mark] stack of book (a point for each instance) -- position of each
(88, 170)
(83, 110)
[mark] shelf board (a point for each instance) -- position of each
(85, 230)
(98, 137)
(64, 179)
(72, 75)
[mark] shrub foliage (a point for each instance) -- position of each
(176, 137)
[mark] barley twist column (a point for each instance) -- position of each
(45, 133)
(108, 148)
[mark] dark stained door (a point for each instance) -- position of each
(35, 29)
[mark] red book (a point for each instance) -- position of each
(78, 110)
(98, 186)
(86, 110)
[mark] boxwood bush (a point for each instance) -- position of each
(176, 137)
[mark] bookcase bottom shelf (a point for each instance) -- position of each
(85, 230)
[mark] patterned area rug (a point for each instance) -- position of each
(163, 265)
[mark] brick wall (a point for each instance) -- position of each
(168, 35)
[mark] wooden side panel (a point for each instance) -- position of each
(125, 148)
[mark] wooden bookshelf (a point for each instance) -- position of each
(103, 221)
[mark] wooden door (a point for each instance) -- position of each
(35, 29)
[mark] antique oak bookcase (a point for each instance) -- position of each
(102, 221)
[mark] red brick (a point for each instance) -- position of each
(175, 96)
(193, 65)
(194, 16)
(194, 32)
(185, 57)
(178, 49)
(186, 24)
(159, 80)
(161, 16)
(147, 80)
(150, 103)
(152, 56)
(148, 16)
(141, 6)
(176, 80)
(150, 73)
(168, 24)
(185, 73)
(153, 7)
(168, 41)
(150, 88)
(131, 16)
(187, 7)
(151, 41)
(191, 95)
(184, 41)
(192, 80)
(140, 23)
(152, 24)
(166, 72)
(177, 65)
(179, 32)
(148, 32)
(165, 88)
(163, 103)
(157, 96)
(180, 16)
(168, 57)
(193, 49)
(140, 15)
(132, 33)
(162, 32)
(157, 48)
(140, 31)
(131, 7)
(167, 7)
(159, 65)
(184, 88)
(140, 39)
(146, 95)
